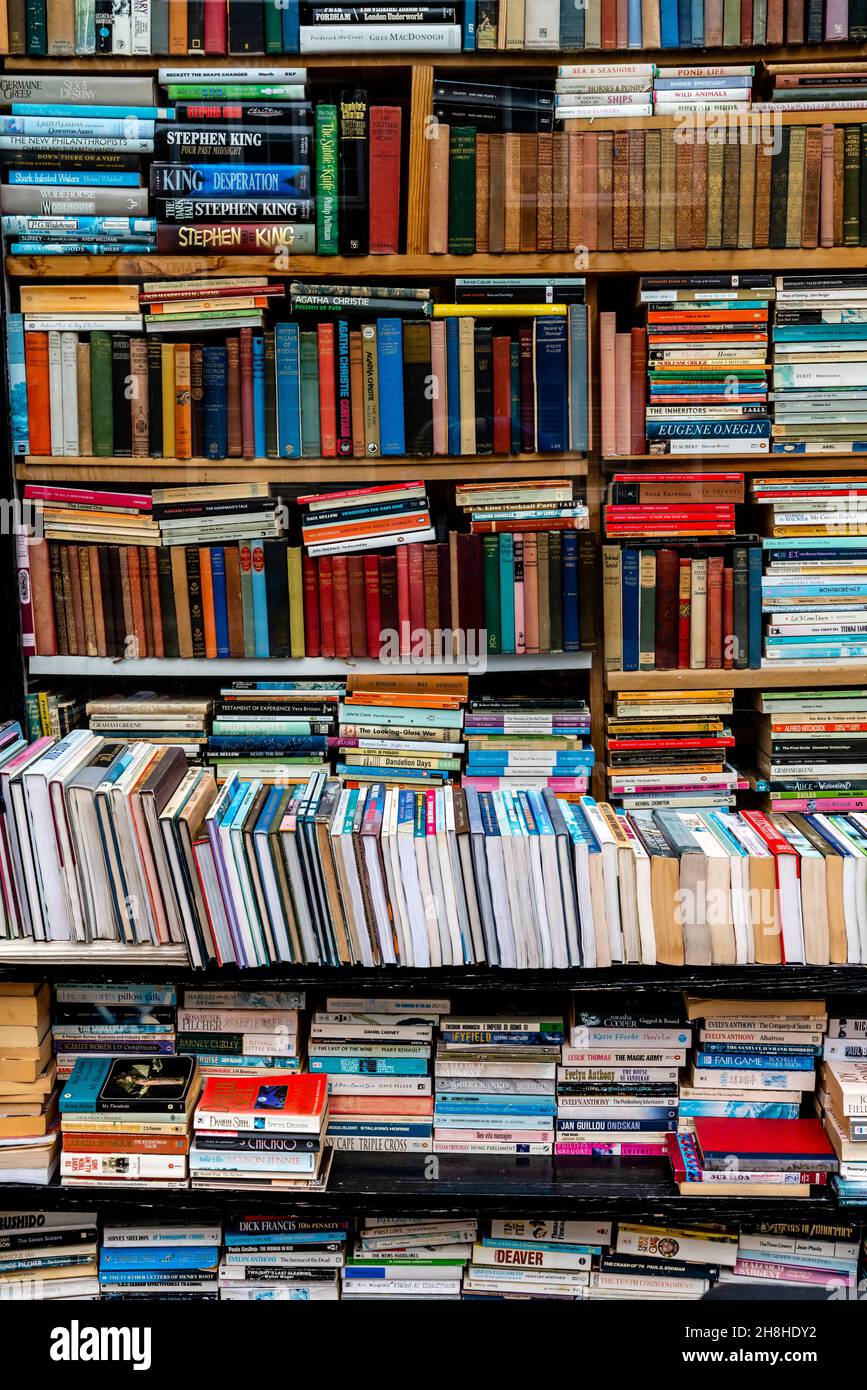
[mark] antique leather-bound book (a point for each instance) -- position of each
(762, 212)
(812, 186)
(651, 190)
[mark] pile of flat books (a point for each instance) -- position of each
(842, 1102)
(394, 1257)
(794, 1254)
(240, 1032)
(807, 742)
(274, 731)
(764, 1158)
(48, 1255)
(664, 1262)
(539, 744)
(523, 1258)
(139, 1106)
(349, 522)
(284, 1258)
(106, 1021)
(819, 381)
(155, 718)
(509, 1048)
(280, 1104)
(29, 1139)
(401, 729)
(670, 748)
(387, 1106)
(617, 1085)
(159, 1261)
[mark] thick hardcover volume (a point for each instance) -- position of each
(246, 27)
(385, 155)
(438, 186)
(121, 415)
(667, 608)
(183, 402)
(484, 387)
(462, 191)
(326, 181)
(416, 381)
(215, 413)
(353, 212)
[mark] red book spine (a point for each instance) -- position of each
(215, 26)
(728, 618)
(327, 391)
(502, 396)
(608, 24)
(637, 371)
(385, 132)
(684, 613)
(746, 22)
(403, 613)
(415, 563)
(154, 593)
(38, 393)
(248, 445)
(714, 631)
(666, 609)
(622, 21)
(340, 575)
(372, 604)
(357, 607)
(311, 605)
(326, 606)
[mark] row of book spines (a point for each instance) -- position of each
(328, 393)
(50, 28)
(669, 611)
(267, 599)
(646, 190)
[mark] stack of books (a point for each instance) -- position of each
(809, 753)
(381, 1115)
(509, 1048)
(711, 91)
(239, 1032)
(604, 89)
(401, 729)
(409, 1259)
(803, 86)
(152, 717)
(663, 1262)
(767, 1158)
(128, 1122)
(54, 712)
(29, 1139)
(670, 748)
(813, 586)
(537, 1263)
(93, 518)
(278, 731)
(819, 381)
(159, 1261)
(102, 1020)
(795, 1253)
(48, 1255)
(282, 1258)
(172, 306)
(365, 519)
(617, 1085)
(842, 1104)
(519, 742)
(281, 1105)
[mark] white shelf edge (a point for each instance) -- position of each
(308, 667)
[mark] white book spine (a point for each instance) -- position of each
(141, 27)
(121, 32)
(69, 387)
(380, 38)
(55, 392)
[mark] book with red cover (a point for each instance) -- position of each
(714, 638)
(637, 390)
(388, 594)
(728, 617)
(775, 1144)
(357, 606)
(684, 611)
(284, 1104)
(215, 12)
(340, 592)
(385, 133)
(502, 395)
(667, 578)
(326, 605)
(327, 390)
(415, 590)
(404, 618)
(310, 583)
(372, 604)
(608, 24)
(687, 1167)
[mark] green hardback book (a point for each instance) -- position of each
(296, 600)
(309, 362)
(731, 23)
(271, 450)
(491, 573)
(852, 185)
(35, 13)
(462, 191)
(555, 589)
(326, 180)
(274, 26)
(101, 394)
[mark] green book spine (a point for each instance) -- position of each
(462, 191)
(491, 579)
(273, 26)
(101, 394)
(309, 355)
(555, 590)
(647, 610)
(247, 618)
(779, 186)
(271, 450)
(731, 23)
(326, 180)
(852, 185)
(588, 589)
(35, 13)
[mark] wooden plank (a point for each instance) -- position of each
(307, 471)
(421, 107)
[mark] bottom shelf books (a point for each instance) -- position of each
(159, 1261)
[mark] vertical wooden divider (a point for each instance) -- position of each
(421, 109)
(595, 498)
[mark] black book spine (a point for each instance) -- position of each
(863, 188)
(493, 119)
(779, 188)
(246, 26)
(484, 377)
(104, 26)
(115, 587)
(120, 385)
(155, 396)
(418, 415)
(107, 598)
(167, 601)
(353, 161)
(815, 18)
(221, 144)
(277, 594)
(196, 26)
(194, 590)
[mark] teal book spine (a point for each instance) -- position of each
(507, 592)
(260, 600)
(35, 18)
(17, 385)
(259, 396)
(578, 411)
(311, 447)
(326, 180)
(248, 620)
(287, 370)
(491, 573)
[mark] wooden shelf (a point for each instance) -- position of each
(318, 472)
(778, 676)
(146, 267)
(305, 668)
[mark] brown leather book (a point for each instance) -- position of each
(128, 633)
(604, 191)
(75, 580)
(497, 188)
(58, 606)
(650, 34)
(728, 618)
(683, 196)
(713, 23)
(233, 369)
(156, 617)
(651, 190)
(620, 191)
(512, 233)
(774, 27)
(622, 7)
(635, 204)
(794, 21)
(96, 593)
(637, 389)
(438, 190)
(746, 29)
(812, 186)
(699, 195)
(667, 195)
(795, 185)
(357, 608)
(71, 648)
(430, 571)
(86, 600)
(714, 634)
(762, 216)
(483, 191)
(839, 138)
(136, 600)
(545, 192)
(826, 188)
(144, 581)
(182, 600)
(85, 417)
(529, 192)
(589, 191)
(730, 193)
(747, 196)
(60, 28)
(234, 607)
(560, 190)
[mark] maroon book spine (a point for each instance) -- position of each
(667, 581)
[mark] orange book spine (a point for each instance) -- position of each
(379, 526)
(178, 29)
(156, 611)
(327, 390)
(98, 609)
(207, 583)
(183, 403)
(38, 393)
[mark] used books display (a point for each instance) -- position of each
(245, 1033)
(406, 1259)
(48, 1255)
(283, 1259)
(841, 1105)
(807, 751)
(502, 25)
(29, 1138)
(670, 748)
(105, 1020)
(159, 1261)
(288, 1116)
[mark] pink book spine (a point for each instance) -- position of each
(826, 188)
(624, 1150)
(623, 391)
(556, 784)
(440, 379)
(800, 1274)
(215, 26)
(25, 595)
(66, 496)
(607, 382)
(40, 746)
(832, 803)
(403, 623)
(520, 630)
(836, 21)
(622, 11)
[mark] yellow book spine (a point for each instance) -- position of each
(499, 311)
(168, 378)
(183, 403)
(467, 373)
(296, 602)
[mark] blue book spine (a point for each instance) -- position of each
(81, 1091)
(281, 743)
(668, 29)
(389, 353)
(259, 395)
(215, 408)
(697, 23)
(578, 434)
(61, 109)
(221, 611)
(82, 248)
(507, 592)
(754, 608)
(27, 224)
(552, 384)
(260, 600)
(569, 570)
(291, 26)
(684, 23)
(344, 398)
(104, 127)
(629, 595)
(162, 1257)
(286, 346)
(379, 1066)
(755, 1061)
(414, 774)
(17, 385)
(453, 377)
(514, 398)
(740, 1109)
(469, 36)
(288, 1237)
(709, 429)
(238, 180)
(74, 178)
(633, 31)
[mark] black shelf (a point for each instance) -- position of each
(372, 1184)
